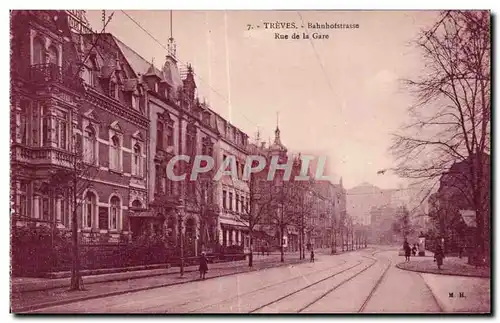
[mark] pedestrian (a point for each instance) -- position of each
(414, 250)
(460, 250)
(203, 265)
(439, 256)
(406, 247)
(312, 255)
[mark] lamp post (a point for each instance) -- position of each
(180, 210)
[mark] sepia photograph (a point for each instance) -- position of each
(250, 162)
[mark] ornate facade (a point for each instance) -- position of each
(74, 113)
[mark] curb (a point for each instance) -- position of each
(400, 266)
(34, 307)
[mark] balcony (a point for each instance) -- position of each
(42, 155)
(52, 73)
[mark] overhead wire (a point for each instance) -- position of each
(195, 74)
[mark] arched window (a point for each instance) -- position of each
(114, 213)
(114, 156)
(53, 56)
(137, 162)
(38, 51)
(137, 204)
(89, 145)
(89, 209)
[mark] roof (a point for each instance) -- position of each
(136, 61)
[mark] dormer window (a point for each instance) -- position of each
(113, 90)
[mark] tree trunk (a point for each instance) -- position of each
(250, 255)
(281, 246)
(342, 238)
(75, 272)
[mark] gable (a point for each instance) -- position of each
(138, 135)
(90, 114)
(116, 126)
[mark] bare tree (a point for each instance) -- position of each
(402, 222)
(451, 116)
(285, 194)
(76, 178)
(259, 206)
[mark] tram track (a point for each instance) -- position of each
(269, 286)
(330, 290)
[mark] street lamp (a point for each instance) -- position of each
(180, 210)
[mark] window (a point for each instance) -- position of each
(170, 135)
(89, 209)
(159, 135)
(156, 87)
(38, 51)
(190, 141)
(23, 126)
(242, 204)
(237, 202)
(64, 211)
(157, 179)
(89, 145)
(61, 137)
(114, 213)
(88, 76)
(137, 163)
(53, 56)
(45, 204)
(114, 157)
(224, 199)
(113, 90)
(23, 198)
(230, 201)
(45, 130)
(246, 205)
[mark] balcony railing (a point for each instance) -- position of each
(49, 72)
(42, 155)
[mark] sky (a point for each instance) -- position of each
(341, 97)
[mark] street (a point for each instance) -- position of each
(363, 281)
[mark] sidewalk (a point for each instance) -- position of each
(26, 301)
(451, 266)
